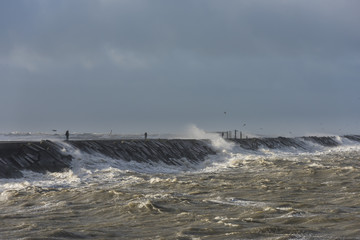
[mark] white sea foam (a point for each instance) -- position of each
(89, 168)
(216, 140)
(239, 202)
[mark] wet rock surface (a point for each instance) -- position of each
(43, 156)
(49, 156)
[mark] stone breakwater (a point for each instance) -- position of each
(297, 142)
(43, 156)
(39, 156)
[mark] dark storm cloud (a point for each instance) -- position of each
(116, 63)
(201, 27)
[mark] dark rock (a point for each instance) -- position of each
(46, 156)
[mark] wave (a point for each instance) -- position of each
(152, 155)
(56, 156)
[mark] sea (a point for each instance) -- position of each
(285, 193)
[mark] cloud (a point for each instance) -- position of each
(128, 59)
(259, 60)
(25, 58)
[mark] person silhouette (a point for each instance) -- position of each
(67, 135)
(145, 135)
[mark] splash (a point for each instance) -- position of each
(217, 141)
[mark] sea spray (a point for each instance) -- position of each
(271, 191)
(217, 141)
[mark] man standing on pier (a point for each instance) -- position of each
(67, 135)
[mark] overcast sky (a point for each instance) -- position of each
(281, 67)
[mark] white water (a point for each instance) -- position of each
(282, 193)
(95, 168)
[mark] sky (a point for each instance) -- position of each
(279, 67)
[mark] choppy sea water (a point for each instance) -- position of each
(238, 194)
